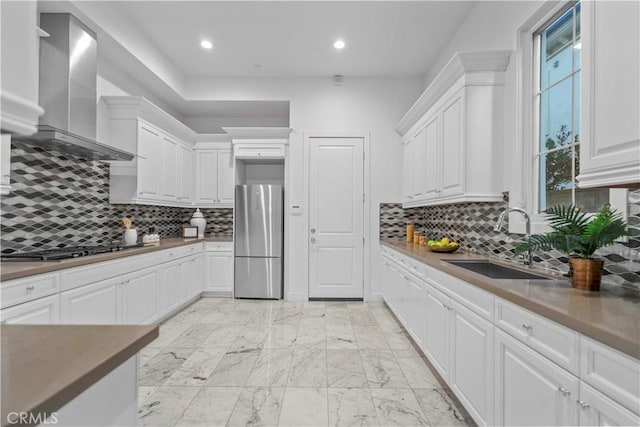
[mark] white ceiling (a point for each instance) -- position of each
(152, 48)
(295, 38)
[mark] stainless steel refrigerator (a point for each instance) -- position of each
(259, 225)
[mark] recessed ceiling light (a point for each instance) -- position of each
(339, 44)
(206, 44)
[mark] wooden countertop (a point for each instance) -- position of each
(18, 269)
(45, 366)
(611, 316)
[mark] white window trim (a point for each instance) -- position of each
(523, 193)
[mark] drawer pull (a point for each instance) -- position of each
(527, 327)
(30, 288)
(564, 391)
(583, 404)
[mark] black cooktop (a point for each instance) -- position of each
(63, 253)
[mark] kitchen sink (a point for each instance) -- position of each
(496, 271)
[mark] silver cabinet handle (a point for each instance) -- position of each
(313, 240)
(564, 391)
(313, 231)
(583, 404)
(527, 327)
(30, 288)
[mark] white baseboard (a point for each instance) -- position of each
(218, 294)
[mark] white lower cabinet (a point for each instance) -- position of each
(197, 272)
(184, 280)
(596, 409)
(219, 273)
(43, 311)
(530, 389)
(471, 364)
(168, 287)
(438, 327)
(98, 303)
(140, 297)
(509, 366)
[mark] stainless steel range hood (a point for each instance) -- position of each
(68, 67)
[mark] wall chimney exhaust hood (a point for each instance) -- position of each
(67, 91)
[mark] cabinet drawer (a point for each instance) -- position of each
(180, 252)
(613, 373)
(472, 297)
(80, 276)
(22, 290)
(552, 340)
(220, 246)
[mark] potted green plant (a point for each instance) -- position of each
(579, 235)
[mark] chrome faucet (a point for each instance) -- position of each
(526, 258)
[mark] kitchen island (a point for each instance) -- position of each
(77, 374)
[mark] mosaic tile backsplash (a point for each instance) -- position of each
(58, 200)
(472, 225)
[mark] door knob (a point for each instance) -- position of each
(313, 230)
(313, 240)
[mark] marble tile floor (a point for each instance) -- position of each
(224, 362)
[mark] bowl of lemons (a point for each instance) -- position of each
(443, 245)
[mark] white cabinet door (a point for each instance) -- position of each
(431, 163)
(185, 174)
(452, 163)
(19, 59)
(149, 152)
(609, 104)
(596, 409)
(225, 177)
(43, 311)
(407, 171)
(438, 326)
(184, 279)
(168, 284)
(417, 165)
(530, 389)
(471, 370)
(5, 164)
(98, 303)
(197, 273)
(416, 299)
(219, 272)
(206, 176)
(140, 297)
(169, 169)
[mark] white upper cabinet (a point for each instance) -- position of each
(162, 172)
(185, 173)
(214, 177)
(169, 170)
(609, 104)
(19, 46)
(453, 134)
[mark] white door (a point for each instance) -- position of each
(596, 409)
(168, 294)
(336, 208)
(98, 303)
(438, 327)
(185, 174)
(431, 164)
(169, 171)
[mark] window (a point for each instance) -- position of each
(557, 98)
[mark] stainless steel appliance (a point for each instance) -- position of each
(259, 225)
(64, 253)
(67, 91)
